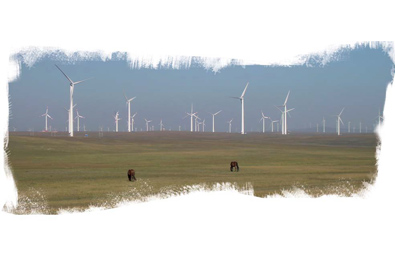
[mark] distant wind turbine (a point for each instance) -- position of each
(263, 121)
(214, 120)
(273, 123)
(338, 122)
(192, 115)
(133, 121)
(116, 117)
(284, 117)
(128, 102)
(161, 125)
(71, 129)
(230, 125)
(242, 108)
(146, 123)
(46, 119)
(78, 120)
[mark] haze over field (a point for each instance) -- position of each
(356, 80)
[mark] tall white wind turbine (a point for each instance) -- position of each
(46, 119)
(263, 121)
(71, 129)
(78, 120)
(214, 120)
(338, 122)
(323, 124)
(242, 108)
(128, 102)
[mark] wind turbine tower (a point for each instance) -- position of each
(242, 108)
(71, 129)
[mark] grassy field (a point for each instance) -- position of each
(77, 172)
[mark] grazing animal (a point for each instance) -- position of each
(131, 175)
(235, 165)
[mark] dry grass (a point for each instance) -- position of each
(83, 171)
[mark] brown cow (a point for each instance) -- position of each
(235, 165)
(131, 175)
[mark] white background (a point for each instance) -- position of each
(208, 228)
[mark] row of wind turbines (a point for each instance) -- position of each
(282, 108)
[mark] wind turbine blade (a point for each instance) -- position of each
(341, 120)
(125, 96)
(217, 112)
(49, 117)
(286, 99)
(68, 78)
(235, 97)
(242, 95)
(82, 81)
(341, 112)
(131, 99)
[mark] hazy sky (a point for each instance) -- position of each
(357, 81)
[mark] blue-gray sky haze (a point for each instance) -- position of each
(357, 81)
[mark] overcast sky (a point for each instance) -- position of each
(356, 81)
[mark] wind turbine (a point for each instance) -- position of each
(146, 123)
(133, 121)
(213, 119)
(263, 121)
(323, 124)
(284, 117)
(46, 119)
(128, 102)
(78, 120)
(192, 115)
(242, 108)
(116, 117)
(273, 123)
(203, 123)
(71, 129)
(338, 122)
(161, 125)
(230, 125)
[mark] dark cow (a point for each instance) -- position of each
(131, 175)
(235, 165)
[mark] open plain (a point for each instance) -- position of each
(56, 172)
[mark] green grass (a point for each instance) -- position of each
(83, 171)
